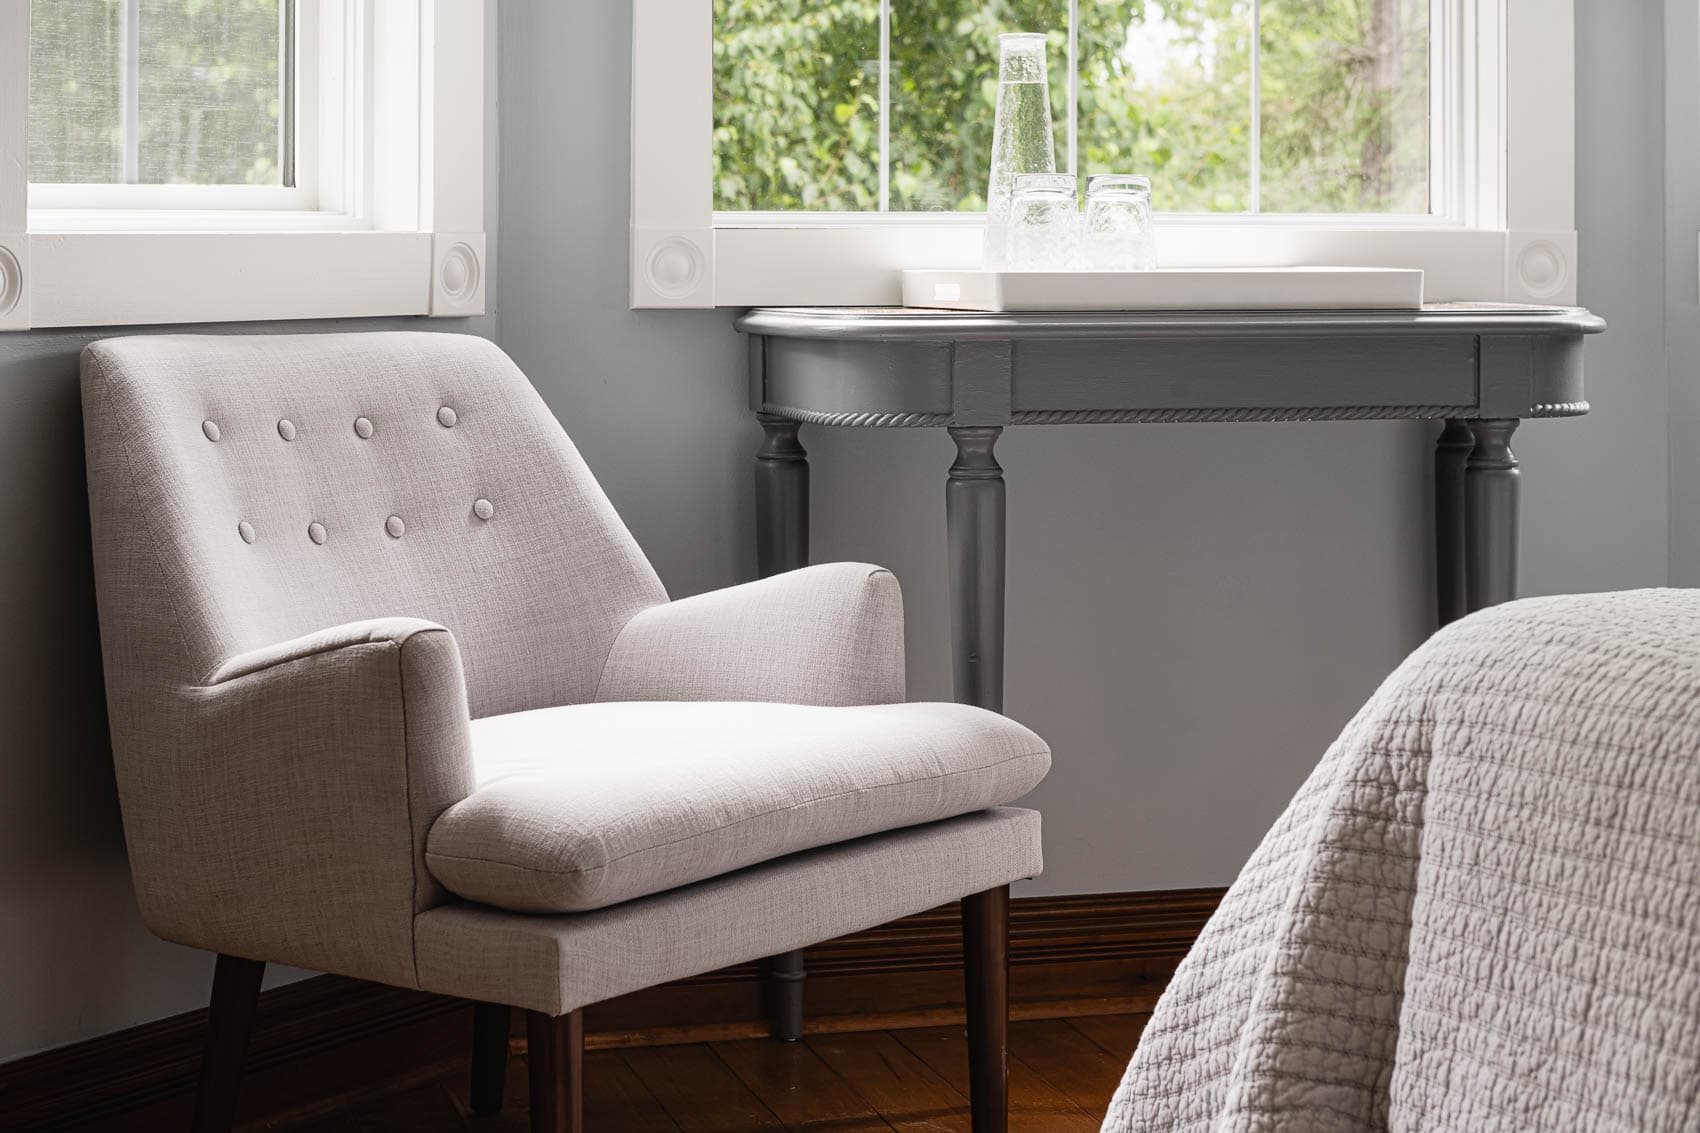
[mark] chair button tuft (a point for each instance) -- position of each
(395, 527)
(316, 532)
(210, 428)
(362, 428)
(483, 508)
(446, 417)
(246, 530)
(286, 429)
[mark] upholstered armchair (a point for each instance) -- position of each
(395, 695)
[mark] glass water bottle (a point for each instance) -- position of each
(1021, 136)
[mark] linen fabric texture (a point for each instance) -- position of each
(556, 963)
(1480, 912)
(589, 805)
(300, 623)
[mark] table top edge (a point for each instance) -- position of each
(927, 324)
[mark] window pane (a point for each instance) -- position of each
(76, 135)
(206, 88)
(944, 91)
(1165, 90)
(796, 105)
(209, 92)
(1345, 106)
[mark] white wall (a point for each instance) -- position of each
(1194, 610)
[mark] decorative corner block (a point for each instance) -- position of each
(14, 281)
(457, 274)
(1540, 267)
(672, 268)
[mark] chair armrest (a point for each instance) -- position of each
(306, 775)
(829, 635)
(373, 631)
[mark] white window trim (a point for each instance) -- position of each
(394, 231)
(1511, 236)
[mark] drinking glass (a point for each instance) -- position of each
(1119, 234)
(1021, 133)
(1044, 223)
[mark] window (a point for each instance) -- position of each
(204, 160)
(850, 138)
(1281, 106)
(165, 92)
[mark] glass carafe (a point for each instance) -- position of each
(1021, 135)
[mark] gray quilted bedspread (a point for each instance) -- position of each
(1482, 910)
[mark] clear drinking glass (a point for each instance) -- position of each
(1044, 223)
(1021, 133)
(1118, 230)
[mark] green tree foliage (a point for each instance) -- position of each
(1164, 90)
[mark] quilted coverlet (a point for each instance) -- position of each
(1480, 912)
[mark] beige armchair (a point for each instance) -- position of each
(394, 695)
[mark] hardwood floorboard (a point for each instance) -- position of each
(1062, 1073)
(801, 1090)
(699, 1091)
(1035, 1106)
(1116, 1034)
(904, 1090)
(1068, 1060)
(615, 1098)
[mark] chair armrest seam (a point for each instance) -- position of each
(414, 851)
(213, 679)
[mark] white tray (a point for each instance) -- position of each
(1167, 289)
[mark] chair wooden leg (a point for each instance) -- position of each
(489, 1057)
(985, 943)
(556, 1060)
(230, 1020)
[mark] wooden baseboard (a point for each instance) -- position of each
(329, 1036)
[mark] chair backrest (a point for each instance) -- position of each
(246, 490)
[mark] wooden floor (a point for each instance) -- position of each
(1061, 1075)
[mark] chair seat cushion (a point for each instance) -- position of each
(589, 805)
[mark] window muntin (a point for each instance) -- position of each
(1333, 113)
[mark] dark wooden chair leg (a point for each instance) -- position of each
(489, 1057)
(555, 1058)
(230, 1020)
(985, 945)
(785, 977)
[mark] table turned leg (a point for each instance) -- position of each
(974, 515)
(782, 544)
(1451, 453)
(1490, 525)
(782, 498)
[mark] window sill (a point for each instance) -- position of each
(129, 278)
(859, 265)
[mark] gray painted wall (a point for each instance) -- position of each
(1194, 610)
(1681, 138)
(77, 960)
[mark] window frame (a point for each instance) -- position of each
(390, 230)
(1505, 67)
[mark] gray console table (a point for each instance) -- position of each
(1481, 369)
